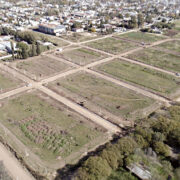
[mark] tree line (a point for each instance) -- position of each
(28, 43)
(161, 132)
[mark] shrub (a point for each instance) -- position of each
(161, 148)
(94, 168)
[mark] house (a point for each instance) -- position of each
(52, 28)
(6, 45)
(78, 30)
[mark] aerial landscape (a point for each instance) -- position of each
(89, 90)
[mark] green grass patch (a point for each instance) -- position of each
(7, 82)
(142, 37)
(49, 131)
(112, 45)
(141, 76)
(79, 37)
(157, 58)
(82, 56)
(171, 45)
(40, 67)
(103, 95)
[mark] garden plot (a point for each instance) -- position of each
(40, 67)
(112, 45)
(81, 56)
(157, 58)
(153, 80)
(170, 46)
(8, 82)
(141, 37)
(46, 127)
(102, 97)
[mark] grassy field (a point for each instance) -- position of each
(79, 37)
(82, 56)
(112, 45)
(46, 127)
(157, 58)
(7, 82)
(102, 94)
(141, 37)
(177, 25)
(40, 67)
(141, 76)
(171, 45)
(49, 38)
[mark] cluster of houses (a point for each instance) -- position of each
(90, 14)
(78, 16)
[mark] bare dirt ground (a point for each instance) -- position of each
(13, 166)
(31, 84)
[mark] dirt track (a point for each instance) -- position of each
(13, 166)
(17, 169)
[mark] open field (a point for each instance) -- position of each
(177, 25)
(46, 127)
(171, 45)
(157, 58)
(102, 96)
(152, 80)
(7, 82)
(112, 45)
(82, 56)
(79, 37)
(49, 38)
(141, 37)
(40, 67)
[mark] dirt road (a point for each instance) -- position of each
(86, 113)
(147, 65)
(10, 162)
(13, 166)
(131, 87)
(13, 92)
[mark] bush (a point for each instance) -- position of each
(94, 168)
(161, 149)
(111, 158)
(141, 141)
(126, 145)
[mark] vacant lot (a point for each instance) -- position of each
(141, 37)
(157, 58)
(49, 38)
(40, 67)
(46, 127)
(112, 45)
(7, 82)
(173, 46)
(80, 37)
(141, 76)
(82, 56)
(102, 96)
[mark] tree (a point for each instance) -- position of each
(111, 158)
(141, 141)
(149, 19)
(161, 148)
(94, 168)
(132, 23)
(23, 50)
(120, 16)
(12, 49)
(140, 20)
(38, 50)
(126, 145)
(34, 53)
